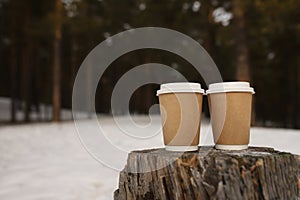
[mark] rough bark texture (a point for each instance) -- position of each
(256, 173)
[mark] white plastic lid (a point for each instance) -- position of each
(180, 87)
(237, 86)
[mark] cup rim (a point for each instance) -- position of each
(181, 148)
(234, 86)
(231, 147)
(180, 87)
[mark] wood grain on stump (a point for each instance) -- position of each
(255, 173)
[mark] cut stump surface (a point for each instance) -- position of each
(255, 173)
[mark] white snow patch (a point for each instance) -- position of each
(47, 161)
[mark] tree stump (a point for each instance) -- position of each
(255, 173)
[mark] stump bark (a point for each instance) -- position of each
(255, 173)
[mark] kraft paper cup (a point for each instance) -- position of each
(181, 109)
(230, 109)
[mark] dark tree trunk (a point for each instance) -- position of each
(57, 62)
(210, 40)
(242, 52)
(297, 107)
(73, 62)
(89, 95)
(13, 60)
(36, 82)
(148, 90)
(255, 173)
(241, 48)
(293, 80)
(26, 66)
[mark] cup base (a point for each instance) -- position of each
(230, 147)
(181, 148)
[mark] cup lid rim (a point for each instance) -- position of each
(180, 87)
(236, 86)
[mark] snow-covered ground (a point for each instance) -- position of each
(46, 161)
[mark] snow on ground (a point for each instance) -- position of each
(46, 161)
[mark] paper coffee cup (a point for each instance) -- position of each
(230, 109)
(181, 109)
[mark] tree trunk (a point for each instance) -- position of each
(73, 61)
(89, 84)
(241, 48)
(57, 62)
(74, 49)
(26, 67)
(13, 61)
(297, 107)
(210, 40)
(255, 173)
(242, 52)
(148, 90)
(36, 82)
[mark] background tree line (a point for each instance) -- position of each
(43, 43)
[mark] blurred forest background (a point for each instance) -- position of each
(43, 43)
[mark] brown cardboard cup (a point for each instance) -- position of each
(230, 110)
(181, 109)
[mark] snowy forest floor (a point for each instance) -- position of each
(46, 161)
